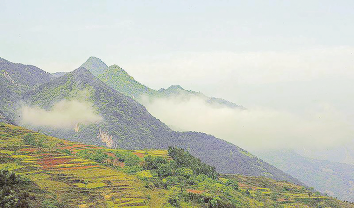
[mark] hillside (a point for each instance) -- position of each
(123, 118)
(65, 180)
(127, 124)
(120, 80)
(51, 172)
(335, 179)
(16, 79)
(24, 77)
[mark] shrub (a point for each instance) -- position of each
(144, 174)
(130, 159)
(96, 155)
(185, 159)
(185, 172)
(10, 195)
(132, 169)
(231, 183)
(30, 139)
(154, 162)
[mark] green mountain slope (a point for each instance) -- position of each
(24, 77)
(117, 78)
(130, 126)
(335, 179)
(42, 171)
(121, 81)
(129, 122)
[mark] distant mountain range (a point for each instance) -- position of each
(125, 122)
(177, 90)
(335, 179)
(117, 78)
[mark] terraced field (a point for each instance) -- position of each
(69, 174)
(284, 193)
(75, 181)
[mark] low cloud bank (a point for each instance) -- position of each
(254, 129)
(64, 114)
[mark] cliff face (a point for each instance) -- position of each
(106, 138)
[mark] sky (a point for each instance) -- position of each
(290, 56)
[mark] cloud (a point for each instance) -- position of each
(256, 128)
(64, 114)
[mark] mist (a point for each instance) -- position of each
(64, 114)
(254, 129)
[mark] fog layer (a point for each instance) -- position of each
(256, 128)
(64, 114)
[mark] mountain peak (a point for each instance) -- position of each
(81, 74)
(95, 65)
(81, 70)
(175, 87)
(115, 66)
(94, 59)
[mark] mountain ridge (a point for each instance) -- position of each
(333, 178)
(130, 126)
(117, 78)
(16, 79)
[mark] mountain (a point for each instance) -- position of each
(128, 125)
(24, 77)
(117, 78)
(16, 79)
(120, 80)
(177, 90)
(95, 66)
(335, 179)
(338, 154)
(123, 117)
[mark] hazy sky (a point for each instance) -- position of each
(293, 56)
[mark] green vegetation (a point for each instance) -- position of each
(130, 126)
(95, 155)
(183, 159)
(10, 194)
(121, 81)
(57, 179)
(51, 172)
(127, 157)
